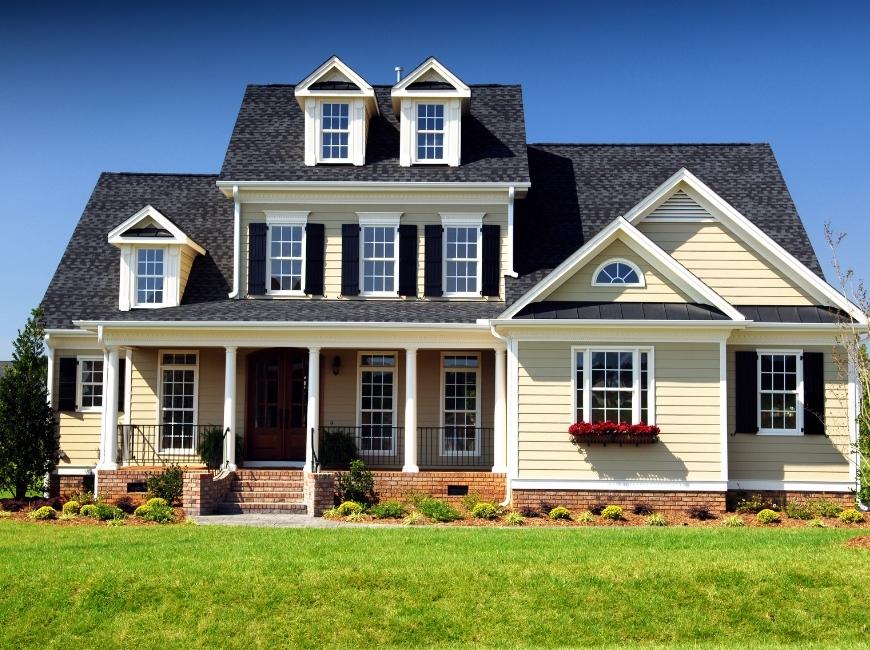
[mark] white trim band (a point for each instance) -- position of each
(628, 486)
(792, 486)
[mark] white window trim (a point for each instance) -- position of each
(799, 406)
(442, 411)
(461, 220)
(167, 276)
(379, 220)
(620, 260)
(587, 379)
(395, 370)
(444, 133)
(282, 218)
(79, 370)
(160, 368)
(319, 131)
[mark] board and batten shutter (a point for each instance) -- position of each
(350, 259)
(257, 259)
(314, 258)
(122, 383)
(814, 393)
(408, 260)
(746, 391)
(432, 271)
(491, 260)
(66, 387)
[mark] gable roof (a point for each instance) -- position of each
(158, 228)
(268, 142)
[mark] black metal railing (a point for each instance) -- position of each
(154, 445)
(384, 447)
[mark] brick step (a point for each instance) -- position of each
(263, 497)
(262, 508)
(265, 485)
(269, 473)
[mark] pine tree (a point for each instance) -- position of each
(29, 446)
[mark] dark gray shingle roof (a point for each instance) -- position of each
(268, 142)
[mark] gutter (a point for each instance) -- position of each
(226, 325)
(357, 185)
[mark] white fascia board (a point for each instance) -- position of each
(608, 484)
(640, 244)
(365, 88)
(116, 237)
(756, 237)
(400, 90)
(267, 325)
(370, 185)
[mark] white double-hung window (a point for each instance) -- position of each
(334, 132)
(379, 253)
(377, 404)
(461, 390)
(613, 384)
(430, 133)
(178, 400)
(462, 251)
(150, 276)
(780, 392)
(89, 385)
(286, 247)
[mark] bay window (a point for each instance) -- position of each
(613, 384)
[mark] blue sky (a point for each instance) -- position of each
(87, 87)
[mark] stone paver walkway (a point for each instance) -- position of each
(267, 520)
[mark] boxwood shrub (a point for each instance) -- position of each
(768, 517)
(559, 512)
(43, 513)
(484, 510)
(437, 510)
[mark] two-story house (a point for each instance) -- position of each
(398, 264)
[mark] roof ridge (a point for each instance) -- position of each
(173, 174)
(388, 86)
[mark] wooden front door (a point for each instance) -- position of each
(277, 404)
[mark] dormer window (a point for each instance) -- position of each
(430, 132)
(334, 132)
(150, 276)
(617, 272)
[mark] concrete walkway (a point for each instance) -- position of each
(267, 520)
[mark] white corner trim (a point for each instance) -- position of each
(634, 267)
(116, 237)
(628, 485)
(723, 408)
(792, 486)
(639, 243)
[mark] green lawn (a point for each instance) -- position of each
(197, 586)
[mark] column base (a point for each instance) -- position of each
(499, 469)
(410, 468)
(106, 467)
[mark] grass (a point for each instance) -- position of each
(198, 586)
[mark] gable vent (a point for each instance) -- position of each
(680, 207)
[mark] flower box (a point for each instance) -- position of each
(590, 433)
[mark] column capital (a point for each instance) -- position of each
(313, 349)
(411, 348)
(231, 348)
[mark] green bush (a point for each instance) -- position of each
(348, 508)
(559, 512)
(158, 511)
(5, 514)
(412, 519)
(864, 473)
(585, 517)
(357, 484)
(388, 510)
(157, 501)
(88, 510)
(484, 510)
(816, 523)
(754, 504)
(337, 449)
(514, 519)
(733, 521)
(71, 508)
(826, 508)
(83, 498)
(167, 485)
(211, 446)
(851, 516)
(66, 517)
(115, 522)
(656, 520)
(332, 513)
(614, 513)
(437, 510)
(43, 513)
(104, 512)
(356, 516)
(470, 500)
(800, 510)
(768, 516)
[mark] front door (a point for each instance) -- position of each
(277, 404)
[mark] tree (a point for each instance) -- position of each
(29, 447)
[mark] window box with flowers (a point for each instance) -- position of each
(587, 433)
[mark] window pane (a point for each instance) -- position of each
(379, 259)
(149, 276)
(178, 385)
(335, 131)
(461, 436)
(778, 394)
(612, 386)
(285, 265)
(617, 273)
(461, 261)
(430, 131)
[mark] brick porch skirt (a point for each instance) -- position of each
(399, 485)
(63, 486)
(201, 490)
(663, 501)
(844, 499)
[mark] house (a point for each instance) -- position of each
(397, 265)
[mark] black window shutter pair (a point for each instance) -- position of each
(746, 393)
(68, 369)
(314, 257)
(350, 279)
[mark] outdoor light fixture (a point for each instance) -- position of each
(336, 365)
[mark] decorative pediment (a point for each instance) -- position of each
(430, 79)
(334, 78)
(150, 226)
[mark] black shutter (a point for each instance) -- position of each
(746, 393)
(66, 387)
(314, 255)
(408, 260)
(350, 259)
(432, 268)
(814, 393)
(491, 235)
(122, 383)
(257, 259)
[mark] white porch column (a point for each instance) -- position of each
(230, 407)
(109, 437)
(410, 411)
(313, 419)
(499, 418)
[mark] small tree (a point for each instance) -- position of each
(29, 446)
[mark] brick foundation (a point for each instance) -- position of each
(663, 501)
(844, 499)
(319, 492)
(63, 486)
(114, 484)
(202, 492)
(398, 485)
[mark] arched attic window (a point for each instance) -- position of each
(617, 272)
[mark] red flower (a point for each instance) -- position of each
(608, 431)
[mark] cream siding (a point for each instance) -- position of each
(687, 410)
(794, 458)
(729, 266)
(579, 286)
(185, 263)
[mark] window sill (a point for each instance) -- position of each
(155, 305)
(90, 410)
(286, 294)
(781, 434)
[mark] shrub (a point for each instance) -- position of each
(337, 449)
(84, 498)
(158, 513)
(332, 513)
(388, 510)
(5, 514)
(66, 517)
(816, 523)
(768, 516)
(356, 516)
(656, 520)
(71, 508)
(415, 498)
(43, 513)
(88, 510)
(348, 508)
(701, 513)
(484, 510)
(754, 504)
(210, 447)
(799, 510)
(357, 484)
(125, 504)
(826, 508)
(851, 516)
(167, 485)
(559, 512)
(514, 519)
(528, 511)
(642, 509)
(470, 500)
(438, 510)
(597, 508)
(115, 522)
(157, 501)
(613, 513)
(412, 519)
(104, 512)
(585, 517)
(733, 521)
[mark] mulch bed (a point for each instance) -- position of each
(21, 508)
(862, 541)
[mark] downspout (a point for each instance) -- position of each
(510, 232)
(507, 478)
(237, 225)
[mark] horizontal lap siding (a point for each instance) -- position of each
(79, 432)
(687, 410)
(730, 267)
(794, 458)
(579, 287)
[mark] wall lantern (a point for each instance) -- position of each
(336, 365)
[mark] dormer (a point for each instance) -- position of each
(430, 102)
(338, 105)
(156, 258)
